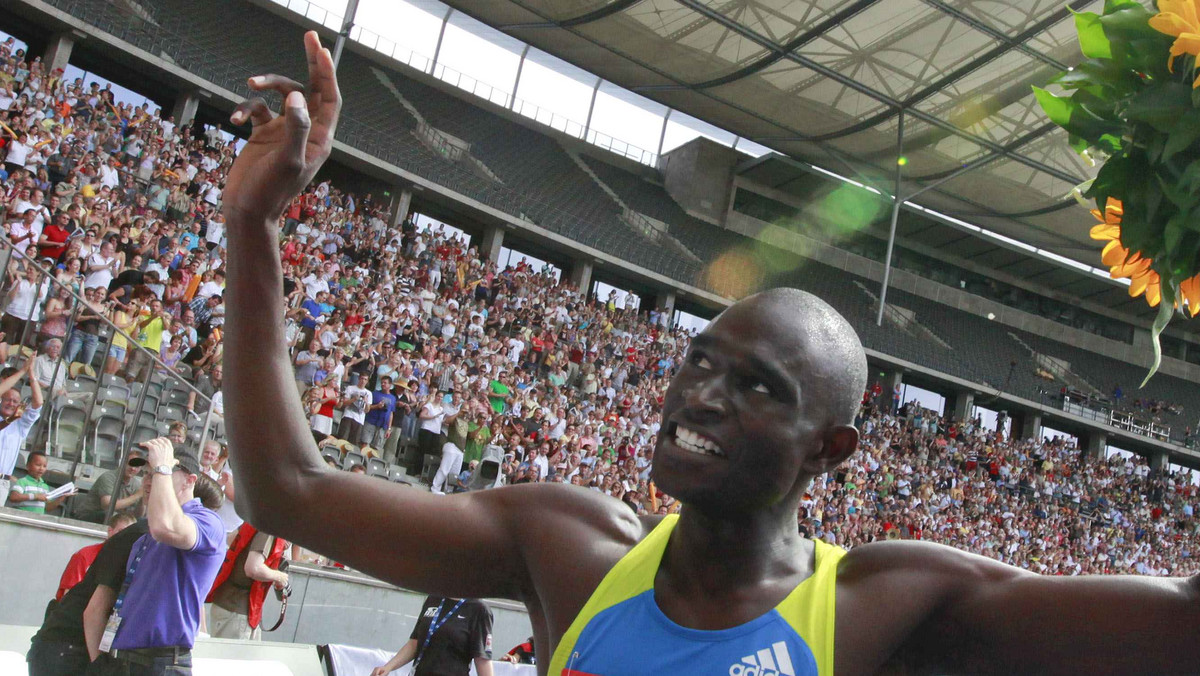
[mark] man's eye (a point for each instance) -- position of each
(701, 361)
(760, 387)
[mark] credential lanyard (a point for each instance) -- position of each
(438, 621)
(114, 619)
(133, 566)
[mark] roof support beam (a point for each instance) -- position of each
(898, 106)
(958, 73)
(796, 43)
(512, 100)
(897, 201)
(587, 17)
(983, 27)
(437, 51)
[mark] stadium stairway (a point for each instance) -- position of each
(654, 230)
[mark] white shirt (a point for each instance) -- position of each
(433, 424)
(17, 153)
(359, 398)
(108, 176)
(13, 437)
(215, 232)
(25, 300)
(227, 512)
(208, 289)
(100, 277)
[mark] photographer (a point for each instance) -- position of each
(157, 611)
(255, 563)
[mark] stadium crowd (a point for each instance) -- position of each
(411, 344)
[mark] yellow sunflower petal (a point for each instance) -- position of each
(1153, 293)
(1114, 253)
(1135, 266)
(1106, 231)
(1190, 290)
(1137, 285)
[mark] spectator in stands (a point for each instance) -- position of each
(85, 334)
(150, 324)
(125, 484)
(450, 635)
(171, 571)
(80, 561)
(450, 467)
(16, 419)
(49, 370)
(21, 306)
(378, 419)
(354, 408)
(30, 492)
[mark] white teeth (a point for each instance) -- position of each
(691, 441)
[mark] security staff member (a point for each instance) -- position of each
(448, 636)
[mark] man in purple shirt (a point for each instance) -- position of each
(155, 615)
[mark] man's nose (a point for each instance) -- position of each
(706, 400)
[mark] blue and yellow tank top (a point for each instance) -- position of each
(621, 630)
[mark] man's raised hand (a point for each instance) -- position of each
(284, 151)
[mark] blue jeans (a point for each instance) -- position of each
(53, 658)
(79, 340)
(138, 665)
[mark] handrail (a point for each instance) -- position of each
(11, 250)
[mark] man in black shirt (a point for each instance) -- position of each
(59, 648)
(448, 636)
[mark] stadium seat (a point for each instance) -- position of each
(143, 434)
(330, 454)
(353, 458)
(70, 423)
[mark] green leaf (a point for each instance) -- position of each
(1178, 195)
(1057, 108)
(1173, 233)
(1099, 73)
(1183, 135)
(1161, 106)
(1092, 41)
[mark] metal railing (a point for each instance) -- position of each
(87, 407)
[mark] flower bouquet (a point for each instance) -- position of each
(1133, 105)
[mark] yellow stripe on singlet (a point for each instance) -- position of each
(809, 609)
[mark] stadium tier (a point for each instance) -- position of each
(546, 382)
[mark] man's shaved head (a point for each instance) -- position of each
(836, 361)
(764, 401)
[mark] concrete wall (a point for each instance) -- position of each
(327, 606)
(1137, 353)
(699, 175)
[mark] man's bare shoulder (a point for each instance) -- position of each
(562, 511)
(920, 560)
(892, 601)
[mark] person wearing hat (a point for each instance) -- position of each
(156, 614)
(125, 485)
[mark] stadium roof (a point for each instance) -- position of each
(828, 81)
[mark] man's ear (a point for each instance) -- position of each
(840, 442)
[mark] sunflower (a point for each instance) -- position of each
(1180, 18)
(1121, 263)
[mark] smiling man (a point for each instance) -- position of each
(763, 403)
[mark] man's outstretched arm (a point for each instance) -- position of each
(988, 617)
(429, 543)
